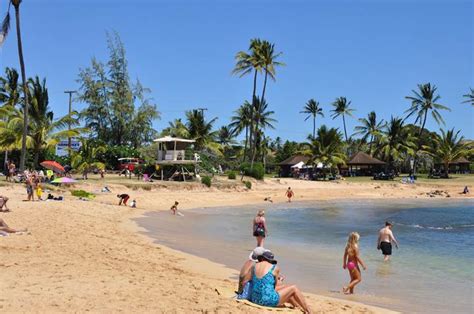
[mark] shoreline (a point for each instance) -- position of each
(90, 255)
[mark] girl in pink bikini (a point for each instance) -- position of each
(351, 262)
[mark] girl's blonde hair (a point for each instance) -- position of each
(261, 213)
(352, 243)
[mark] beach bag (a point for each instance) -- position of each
(246, 292)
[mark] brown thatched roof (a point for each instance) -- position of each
(460, 160)
(362, 158)
(293, 160)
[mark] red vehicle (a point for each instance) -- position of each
(130, 163)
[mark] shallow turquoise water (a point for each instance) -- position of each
(431, 272)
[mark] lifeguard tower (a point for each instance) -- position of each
(172, 155)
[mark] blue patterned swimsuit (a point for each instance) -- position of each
(263, 291)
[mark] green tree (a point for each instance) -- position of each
(341, 108)
(241, 121)
(312, 109)
(268, 56)
(199, 129)
(370, 129)
(396, 142)
(326, 148)
(86, 159)
(449, 147)
(470, 97)
(118, 112)
(5, 29)
(9, 99)
(176, 128)
(225, 136)
(263, 119)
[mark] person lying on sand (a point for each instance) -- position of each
(5, 228)
(123, 199)
(268, 199)
(267, 292)
(245, 276)
(3, 204)
(351, 262)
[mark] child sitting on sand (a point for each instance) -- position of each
(174, 208)
(351, 262)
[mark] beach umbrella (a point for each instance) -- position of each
(53, 165)
(64, 180)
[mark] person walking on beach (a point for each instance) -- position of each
(289, 193)
(385, 240)
(351, 262)
(29, 187)
(174, 208)
(259, 226)
(123, 199)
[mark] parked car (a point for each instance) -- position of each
(130, 163)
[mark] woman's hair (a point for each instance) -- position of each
(352, 243)
(261, 213)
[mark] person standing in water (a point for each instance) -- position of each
(385, 240)
(260, 227)
(289, 193)
(351, 262)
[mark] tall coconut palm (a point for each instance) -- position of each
(423, 102)
(199, 129)
(341, 108)
(312, 109)
(5, 29)
(449, 147)
(176, 128)
(395, 142)
(268, 57)
(241, 121)
(225, 136)
(369, 128)
(470, 97)
(325, 148)
(263, 119)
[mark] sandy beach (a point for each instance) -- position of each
(83, 256)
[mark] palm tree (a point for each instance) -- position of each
(395, 142)
(9, 98)
(199, 129)
(225, 136)
(370, 128)
(449, 147)
(341, 108)
(326, 148)
(424, 101)
(85, 160)
(241, 121)
(5, 29)
(44, 131)
(312, 109)
(262, 120)
(176, 128)
(470, 97)
(267, 55)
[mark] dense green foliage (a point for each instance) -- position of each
(257, 171)
(82, 193)
(248, 184)
(207, 181)
(231, 175)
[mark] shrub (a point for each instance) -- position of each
(248, 184)
(82, 193)
(257, 172)
(231, 175)
(206, 180)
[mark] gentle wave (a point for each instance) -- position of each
(436, 228)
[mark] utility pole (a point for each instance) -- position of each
(202, 111)
(70, 92)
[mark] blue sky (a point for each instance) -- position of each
(372, 52)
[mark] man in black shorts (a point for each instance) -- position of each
(385, 240)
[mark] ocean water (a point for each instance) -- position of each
(432, 272)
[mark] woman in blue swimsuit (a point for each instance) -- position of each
(265, 290)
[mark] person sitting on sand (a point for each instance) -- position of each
(260, 227)
(5, 228)
(385, 240)
(3, 204)
(174, 208)
(466, 190)
(289, 193)
(123, 199)
(351, 261)
(245, 276)
(266, 291)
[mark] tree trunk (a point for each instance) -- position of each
(262, 99)
(415, 159)
(25, 89)
(314, 126)
(5, 163)
(344, 122)
(370, 145)
(246, 143)
(251, 135)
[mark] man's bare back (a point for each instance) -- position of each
(385, 240)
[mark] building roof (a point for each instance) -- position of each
(460, 160)
(362, 158)
(293, 160)
(167, 139)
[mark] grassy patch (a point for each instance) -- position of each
(82, 193)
